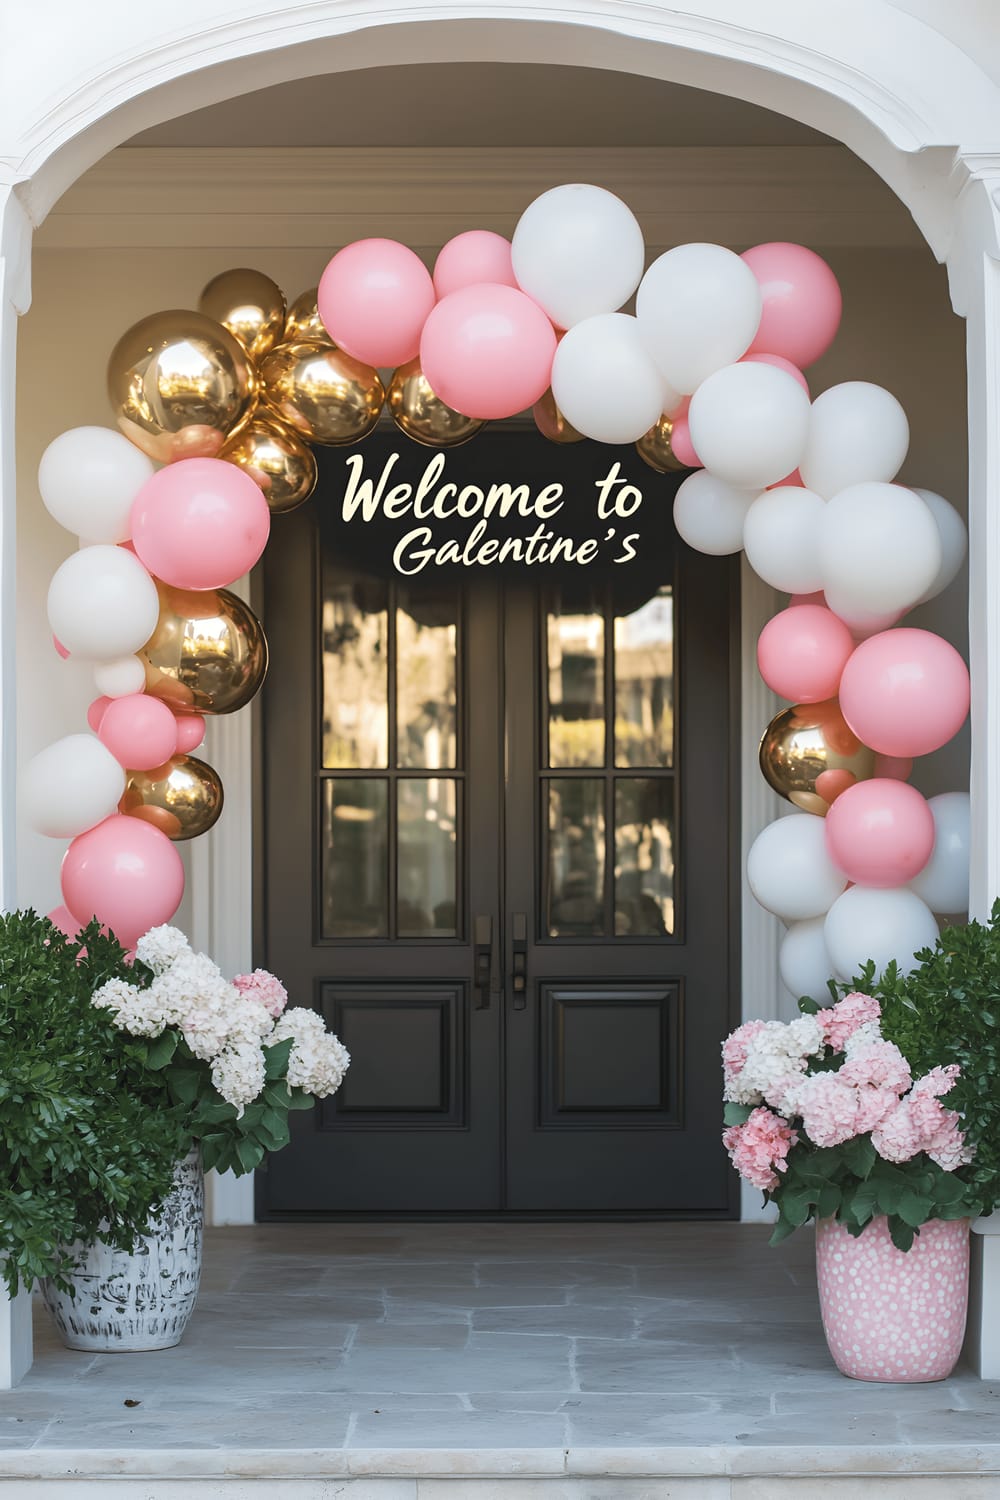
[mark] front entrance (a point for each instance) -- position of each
(497, 855)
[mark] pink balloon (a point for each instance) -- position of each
(200, 523)
(64, 920)
(140, 731)
(374, 298)
(476, 256)
(60, 648)
(95, 713)
(190, 732)
(487, 351)
(124, 872)
(681, 444)
(779, 363)
(880, 833)
(802, 653)
(895, 767)
(905, 692)
(802, 302)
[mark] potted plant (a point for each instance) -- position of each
(119, 1081)
(878, 1117)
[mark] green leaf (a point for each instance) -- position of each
(161, 1049)
(829, 1201)
(914, 1209)
(276, 1059)
(736, 1114)
(901, 1234)
(860, 1155)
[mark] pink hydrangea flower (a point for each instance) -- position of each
(735, 1048)
(840, 1021)
(829, 1109)
(880, 1065)
(920, 1122)
(758, 1149)
(873, 1106)
(263, 987)
(938, 1082)
(898, 1137)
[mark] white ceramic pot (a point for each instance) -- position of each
(130, 1301)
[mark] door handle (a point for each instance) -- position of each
(482, 960)
(519, 959)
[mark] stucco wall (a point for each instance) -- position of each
(898, 330)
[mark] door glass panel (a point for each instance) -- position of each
(575, 689)
(576, 858)
(426, 858)
(644, 857)
(355, 672)
(426, 643)
(644, 683)
(355, 862)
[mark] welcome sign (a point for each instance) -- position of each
(510, 500)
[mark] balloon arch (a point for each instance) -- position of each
(705, 375)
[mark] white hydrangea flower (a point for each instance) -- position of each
(136, 1011)
(250, 1021)
(777, 1058)
(318, 1059)
(297, 1022)
(160, 947)
(238, 1074)
(865, 1035)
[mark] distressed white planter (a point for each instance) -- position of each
(142, 1299)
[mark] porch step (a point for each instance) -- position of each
(896, 1472)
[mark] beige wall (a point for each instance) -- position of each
(898, 331)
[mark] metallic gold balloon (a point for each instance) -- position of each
(303, 324)
(180, 384)
(654, 447)
(809, 755)
(250, 305)
(182, 798)
(551, 423)
(422, 415)
(208, 653)
(320, 391)
(276, 458)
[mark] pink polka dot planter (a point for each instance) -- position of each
(892, 1315)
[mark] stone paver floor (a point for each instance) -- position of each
(489, 1336)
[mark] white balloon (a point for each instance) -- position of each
(781, 537)
(879, 547)
(102, 603)
(710, 514)
(789, 870)
(89, 478)
(954, 540)
(861, 622)
(70, 787)
(803, 960)
(944, 881)
(699, 307)
(880, 925)
(857, 431)
(604, 381)
(577, 251)
(118, 678)
(748, 424)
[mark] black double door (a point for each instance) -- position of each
(497, 855)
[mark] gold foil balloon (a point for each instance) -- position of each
(208, 653)
(422, 415)
(180, 384)
(303, 324)
(809, 755)
(250, 305)
(275, 458)
(654, 448)
(182, 798)
(551, 423)
(320, 391)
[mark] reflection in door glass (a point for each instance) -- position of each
(426, 859)
(355, 858)
(426, 636)
(355, 673)
(644, 684)
(576, 858)
(644, 857)
(576, 689)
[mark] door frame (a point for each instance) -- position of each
(226, 897)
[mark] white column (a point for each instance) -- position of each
(15, 294)
(974, 272)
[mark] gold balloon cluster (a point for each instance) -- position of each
(810, 755)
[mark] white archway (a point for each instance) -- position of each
(861, 75)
